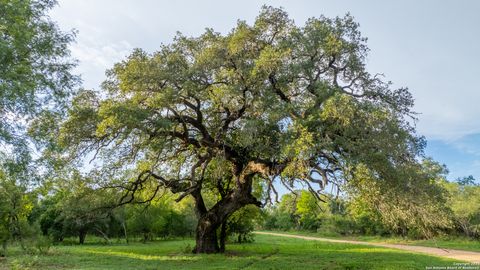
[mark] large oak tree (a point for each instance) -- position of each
(225, 113)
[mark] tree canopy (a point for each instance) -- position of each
(228, 114)
(34, 64)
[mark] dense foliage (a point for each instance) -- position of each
(268, 103)
(35, 80)
(192, 139)
(34, 66)
(456, 215)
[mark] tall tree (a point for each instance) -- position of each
(34, 65)
(266, 102)
(464, 201)
(35, 80)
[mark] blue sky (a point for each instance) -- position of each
(432, 47)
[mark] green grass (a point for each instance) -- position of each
(267, 252)
(441, 242)
(452, 243)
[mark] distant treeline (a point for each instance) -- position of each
(343, 216)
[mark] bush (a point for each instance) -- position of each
(284, 222)
(241, 223)
(309, 223)
(43, 244)
(269, 222)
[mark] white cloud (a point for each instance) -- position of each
(469, 144)
(96, 56)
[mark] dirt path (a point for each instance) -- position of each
(461, 255)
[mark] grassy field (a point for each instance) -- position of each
(441, 242)
(267, 252)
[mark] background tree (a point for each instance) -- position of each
(84, 210)
(287, 209)
(416, 206)
(464, 201)
(74, 207)
(160, 218)
(16, 204)
(266, 102)
(308, 210)
(49, 218)
(35, 80)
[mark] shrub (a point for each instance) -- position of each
(43, 244)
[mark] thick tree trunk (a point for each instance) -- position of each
(206, 236)
(209, 221)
